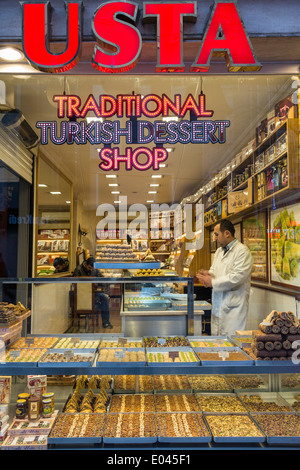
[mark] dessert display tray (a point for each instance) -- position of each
(289, 431)
(210, 342)
(69, 357)
(219, 356)
(234, 439)
(199, 422)
(119, 354)
(161, 357)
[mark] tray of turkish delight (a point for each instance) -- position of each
(130, 428)
(56, 357)
(121, 357)
(234, 428)
(229, 356)
(182, 428)
(172, 356)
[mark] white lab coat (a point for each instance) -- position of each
(230, 289)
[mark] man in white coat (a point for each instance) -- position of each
(229, 277)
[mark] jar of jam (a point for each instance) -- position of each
(24, 396)
(21, 409)
(49, 396)
(47, 407)
(33, 409)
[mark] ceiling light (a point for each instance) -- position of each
(68, 202)
(162, 165)
(113, 184)
(110, 176)
(92, 119)
(115, 192)
(149, 201)
(156, 176)
(8, 53)
(55, 192)
(152, 192)
(41, 185)
(169, 149)
(154, 185)
(117, 202)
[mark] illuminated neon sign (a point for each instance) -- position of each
(140, 131)
(119, 42)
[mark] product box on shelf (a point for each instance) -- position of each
(21, 427)
(5, 389)
(34, 442)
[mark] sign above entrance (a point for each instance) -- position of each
(119, 42)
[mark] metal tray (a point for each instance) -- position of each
(130, 440)
(248, 360)
(211, 339)
(184, 439)
(80, 338)
(167, 351)
(273, 439)
(235, 439)
(120, 355)
(74, 364)
(115, 339)
(222, 395)
(266, 397)
(291, 397)
(196, 389)
(74, 440)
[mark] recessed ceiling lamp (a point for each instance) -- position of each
(68, 202)
(115, 192)
(152, 192)
(156, 176)
(149, 201)
(41, 185)
(110, 176)
(55, 192)
(113, 184)
(154, 185)
(10, 54)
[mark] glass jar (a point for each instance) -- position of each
(47, 407)
(21, 409)
(33, 409)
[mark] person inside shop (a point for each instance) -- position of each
(86, 268)
(229, 277)
(61, 265)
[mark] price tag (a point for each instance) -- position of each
(161, 341)
(69, 354)
(74, 341)
(173, 354)
(122, 341)
(29, 341)
(119, 354)
(223, 354)
(14, 354)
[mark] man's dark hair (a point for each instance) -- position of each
(90, 261)
(58, 262)
(225, 224)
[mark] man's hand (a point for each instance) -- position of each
(204, 278)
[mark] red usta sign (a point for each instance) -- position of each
(119, 42)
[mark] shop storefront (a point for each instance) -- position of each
(128, 132)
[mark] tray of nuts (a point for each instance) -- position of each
(171, 383)
(234, 428)
(165, 341)
(130, 428)
(217, 356)
(220, 403)
(182, 428)
(121, 356)
(120, 342)
(280, 428)
(132, 384)
(264, 402)
(211, 383)
(168, 356)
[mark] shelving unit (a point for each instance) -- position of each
(280, 147)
